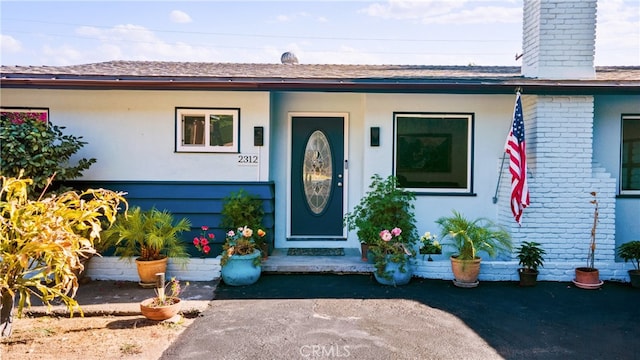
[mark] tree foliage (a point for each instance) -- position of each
(40, 149)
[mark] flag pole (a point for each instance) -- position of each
(504, 153)
(495, 195)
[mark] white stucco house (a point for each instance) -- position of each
(182, 136)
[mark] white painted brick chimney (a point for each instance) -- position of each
(558, 39)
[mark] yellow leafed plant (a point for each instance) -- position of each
(43, 240)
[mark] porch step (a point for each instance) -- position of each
(351, 262)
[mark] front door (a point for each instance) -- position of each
(317, 182)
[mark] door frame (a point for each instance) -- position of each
(345, 180)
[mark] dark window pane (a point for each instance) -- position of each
(630, 174)
(193, 130)
(221, 130)
(432, 151)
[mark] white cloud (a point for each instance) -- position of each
(618, 33)
(291, 17)
(62, 55)
(9, 44)
(134, 42)
(446, 12)
(180, 17)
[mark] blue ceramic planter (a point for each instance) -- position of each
(240, 270)
(397, 277)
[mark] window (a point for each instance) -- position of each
(630, 164)
(207, 130)
(17, 115)
(432, 152)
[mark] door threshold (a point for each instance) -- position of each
(350, 263)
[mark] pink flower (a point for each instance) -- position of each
(204, 228)
(231, 233)
(196, 241)
(211, 236)
(385, 235)
(247, 232)
(206, 249)
(396, 231)
(204, 242)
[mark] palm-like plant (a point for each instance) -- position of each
(148, 235)
(470, 237)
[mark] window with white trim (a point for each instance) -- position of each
(630, 162)
(433, 152)
(207, 129)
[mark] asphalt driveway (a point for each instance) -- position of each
(328, 316)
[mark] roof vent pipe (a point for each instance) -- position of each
(289, 58)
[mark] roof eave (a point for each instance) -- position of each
(529, 86)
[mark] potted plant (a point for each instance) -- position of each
(164, 305)
(384, 206)
(530, 256)
(241, 260)
(468, 238)
(589, 277)
(150, 236)
(630, 251)
(429, 245)
(241, 209)
(391, 253)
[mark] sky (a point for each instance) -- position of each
(427, 32)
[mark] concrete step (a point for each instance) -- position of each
(350, 263)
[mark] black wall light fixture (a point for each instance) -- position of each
(375, 136)
(258, 136)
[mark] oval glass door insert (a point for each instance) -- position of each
(317, 172)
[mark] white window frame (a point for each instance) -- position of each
(206, 113)
(632, 117)
(469, 166)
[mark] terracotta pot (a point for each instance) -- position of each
(159, 313)
(587, 278)
(147, 270)
(528, 277)
(465, 272)
(364, 248)
(264, 248)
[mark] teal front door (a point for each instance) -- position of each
(317, 177)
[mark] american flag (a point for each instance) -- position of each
(515, 147)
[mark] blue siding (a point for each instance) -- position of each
(200, 202)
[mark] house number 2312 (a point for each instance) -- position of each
(247, 159)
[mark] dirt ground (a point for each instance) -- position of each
(91, 337)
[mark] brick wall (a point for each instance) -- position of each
(559, 137)
(114, 268)
(558, 39)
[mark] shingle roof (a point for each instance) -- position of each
(156, 72)
(239, 70)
